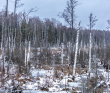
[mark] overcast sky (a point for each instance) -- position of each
(51, 8)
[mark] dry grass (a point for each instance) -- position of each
(37, 78)
(46, 67)
(44, 89)
(101, 78)
(69, 80)
(98, 90)
(65, 89)
(65, 70)
(89, 87)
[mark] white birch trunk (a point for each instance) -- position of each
(104, 47)
(62, 47)
(28, 54)
(69, 53)
(12, 44)
(2, 45)
(25, 56)
(76, 50)
(90, 53)
(14, 38)
(108, 72)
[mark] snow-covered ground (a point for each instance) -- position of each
(45, 80)
(38, 91)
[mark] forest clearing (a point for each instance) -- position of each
(49, 76)
(46, 56)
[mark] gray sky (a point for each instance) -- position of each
(51, 8)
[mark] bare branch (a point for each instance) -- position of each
(69, 13)
(32, 10)
(92, 21)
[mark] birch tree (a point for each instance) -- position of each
(62, 47)
(69, 13)
(6, 13)
(16, 5)
(92, 21)
(69, 52)
(76, 50)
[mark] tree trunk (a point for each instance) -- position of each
(90, 46)
(76, 50)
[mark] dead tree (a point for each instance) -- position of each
(6, 13)
(92, 21)
(16, 5)
(76, 50)
(69, 13)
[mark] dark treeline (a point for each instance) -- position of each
(49, 32)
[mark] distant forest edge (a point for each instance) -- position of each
(49, 32)
(16, 31)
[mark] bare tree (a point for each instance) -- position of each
(16, 5)
(6, 13)
(108, 21)
(76, 50)
(92, 21)
(69, 13)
